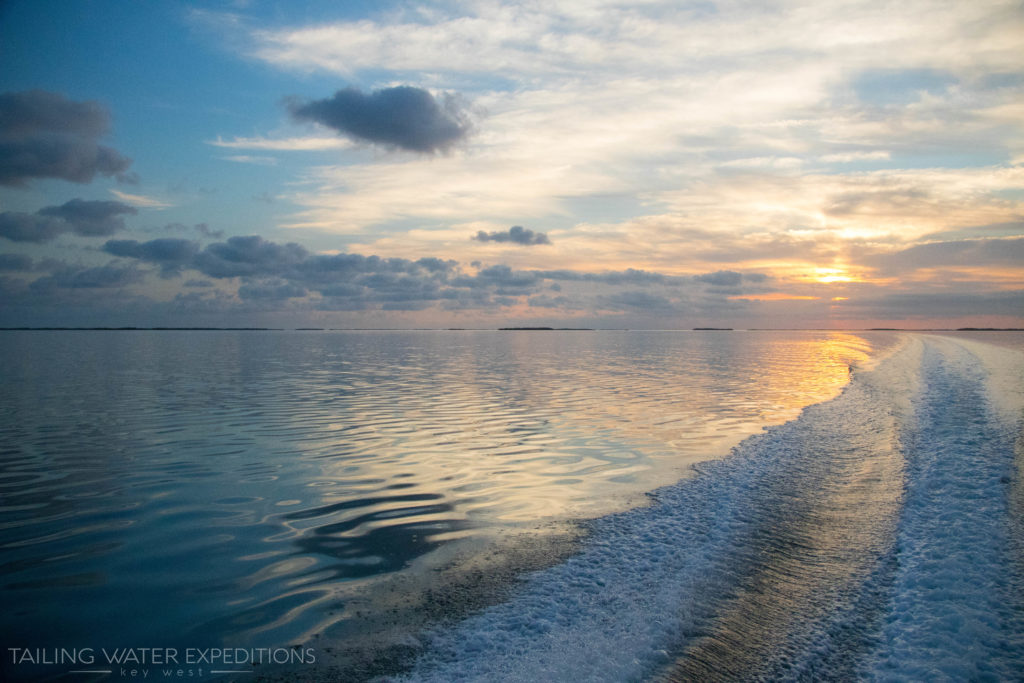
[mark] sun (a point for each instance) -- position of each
(826, 275)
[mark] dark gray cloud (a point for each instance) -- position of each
(80, 216)
(91, 218)
(388, 287)
(436, 265)
(171, 253)
(721, 278)
(46, 135)
(345, 267)
(163, 250)
(29, 227)
(250, 256)
(273, 271)
(404, 117)
(517, 234)
(274, 276)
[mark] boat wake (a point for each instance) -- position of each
(877, 536)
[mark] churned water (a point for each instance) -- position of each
(333, 491)
(876, 537)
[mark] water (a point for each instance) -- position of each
(254, 488)
(374, 498)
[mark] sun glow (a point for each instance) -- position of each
(827, 275)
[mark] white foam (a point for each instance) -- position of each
(647, 580)
(954, 611)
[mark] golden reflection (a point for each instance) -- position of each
(519, 428)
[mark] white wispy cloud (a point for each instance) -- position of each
(294, 144)
(554, 39)
(850, 157)
(141, 200)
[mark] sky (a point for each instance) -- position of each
(585, 163)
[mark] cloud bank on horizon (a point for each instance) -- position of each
(680, 164)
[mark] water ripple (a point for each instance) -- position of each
(266, 479)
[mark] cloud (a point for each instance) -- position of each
(854, 156)
(721, 278)
(25, 227)
(80, 216)
(503, 279)
(202, 228)
(46, 135)
(271, 271)
(632, 276)
(517, 234)
(90, 218)
(629, 276)
(304, 144)
(171, 253)
(249, 256)
(140, 200)
(244, 275)
(602, 107)
(403, 117)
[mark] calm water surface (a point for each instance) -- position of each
(239, 487)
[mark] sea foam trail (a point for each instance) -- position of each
(955, 610)
(811, 552)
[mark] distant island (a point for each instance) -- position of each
(546, 329)
(990, 329)
(709, 329)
